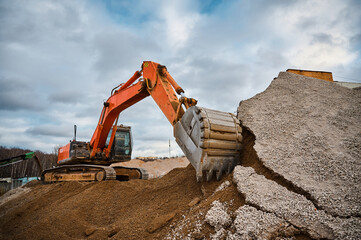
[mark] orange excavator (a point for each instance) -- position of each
(210, 139)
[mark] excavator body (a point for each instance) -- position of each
(75, 163)
(77, 152)
(210, 139)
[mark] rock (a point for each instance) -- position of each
(89, 231)
(222, 186)
(273, 198)
(159, 222)
(251, 223)
(113, 232)
(194, 202)
(217, 215)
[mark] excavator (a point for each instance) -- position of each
(210, 139)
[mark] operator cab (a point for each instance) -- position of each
(122, 144)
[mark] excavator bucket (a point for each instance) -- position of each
(210, 139)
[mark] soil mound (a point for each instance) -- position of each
(136, 209)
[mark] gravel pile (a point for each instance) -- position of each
(271, 198)
(217, 215)
(251, 223)
(309, 132)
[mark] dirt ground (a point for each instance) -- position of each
(138, 209)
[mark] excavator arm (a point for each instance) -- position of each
(157, 83)
(210, 139)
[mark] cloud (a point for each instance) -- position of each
(15, 95)
(59, 60)
(119, 50)
(323, 55)
(180, 21)
(71, 96)
(322, 38)
(47, 130)
(320, 32)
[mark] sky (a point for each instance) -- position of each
(59, 60)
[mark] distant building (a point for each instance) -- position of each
(315, 74)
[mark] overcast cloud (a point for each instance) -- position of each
(59, 60)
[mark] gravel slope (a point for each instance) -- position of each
(309, 132)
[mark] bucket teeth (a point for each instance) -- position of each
(199, 178)
(229, 168)
(209, 175)
(219, 175)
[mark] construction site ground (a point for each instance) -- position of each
(299, 178)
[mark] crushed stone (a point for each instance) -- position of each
(251, 223)
(270, 197)
(217, 215)
(222, 186)
(309, 131)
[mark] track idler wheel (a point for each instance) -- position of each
(100, 176)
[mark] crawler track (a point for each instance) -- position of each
(84, 172)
